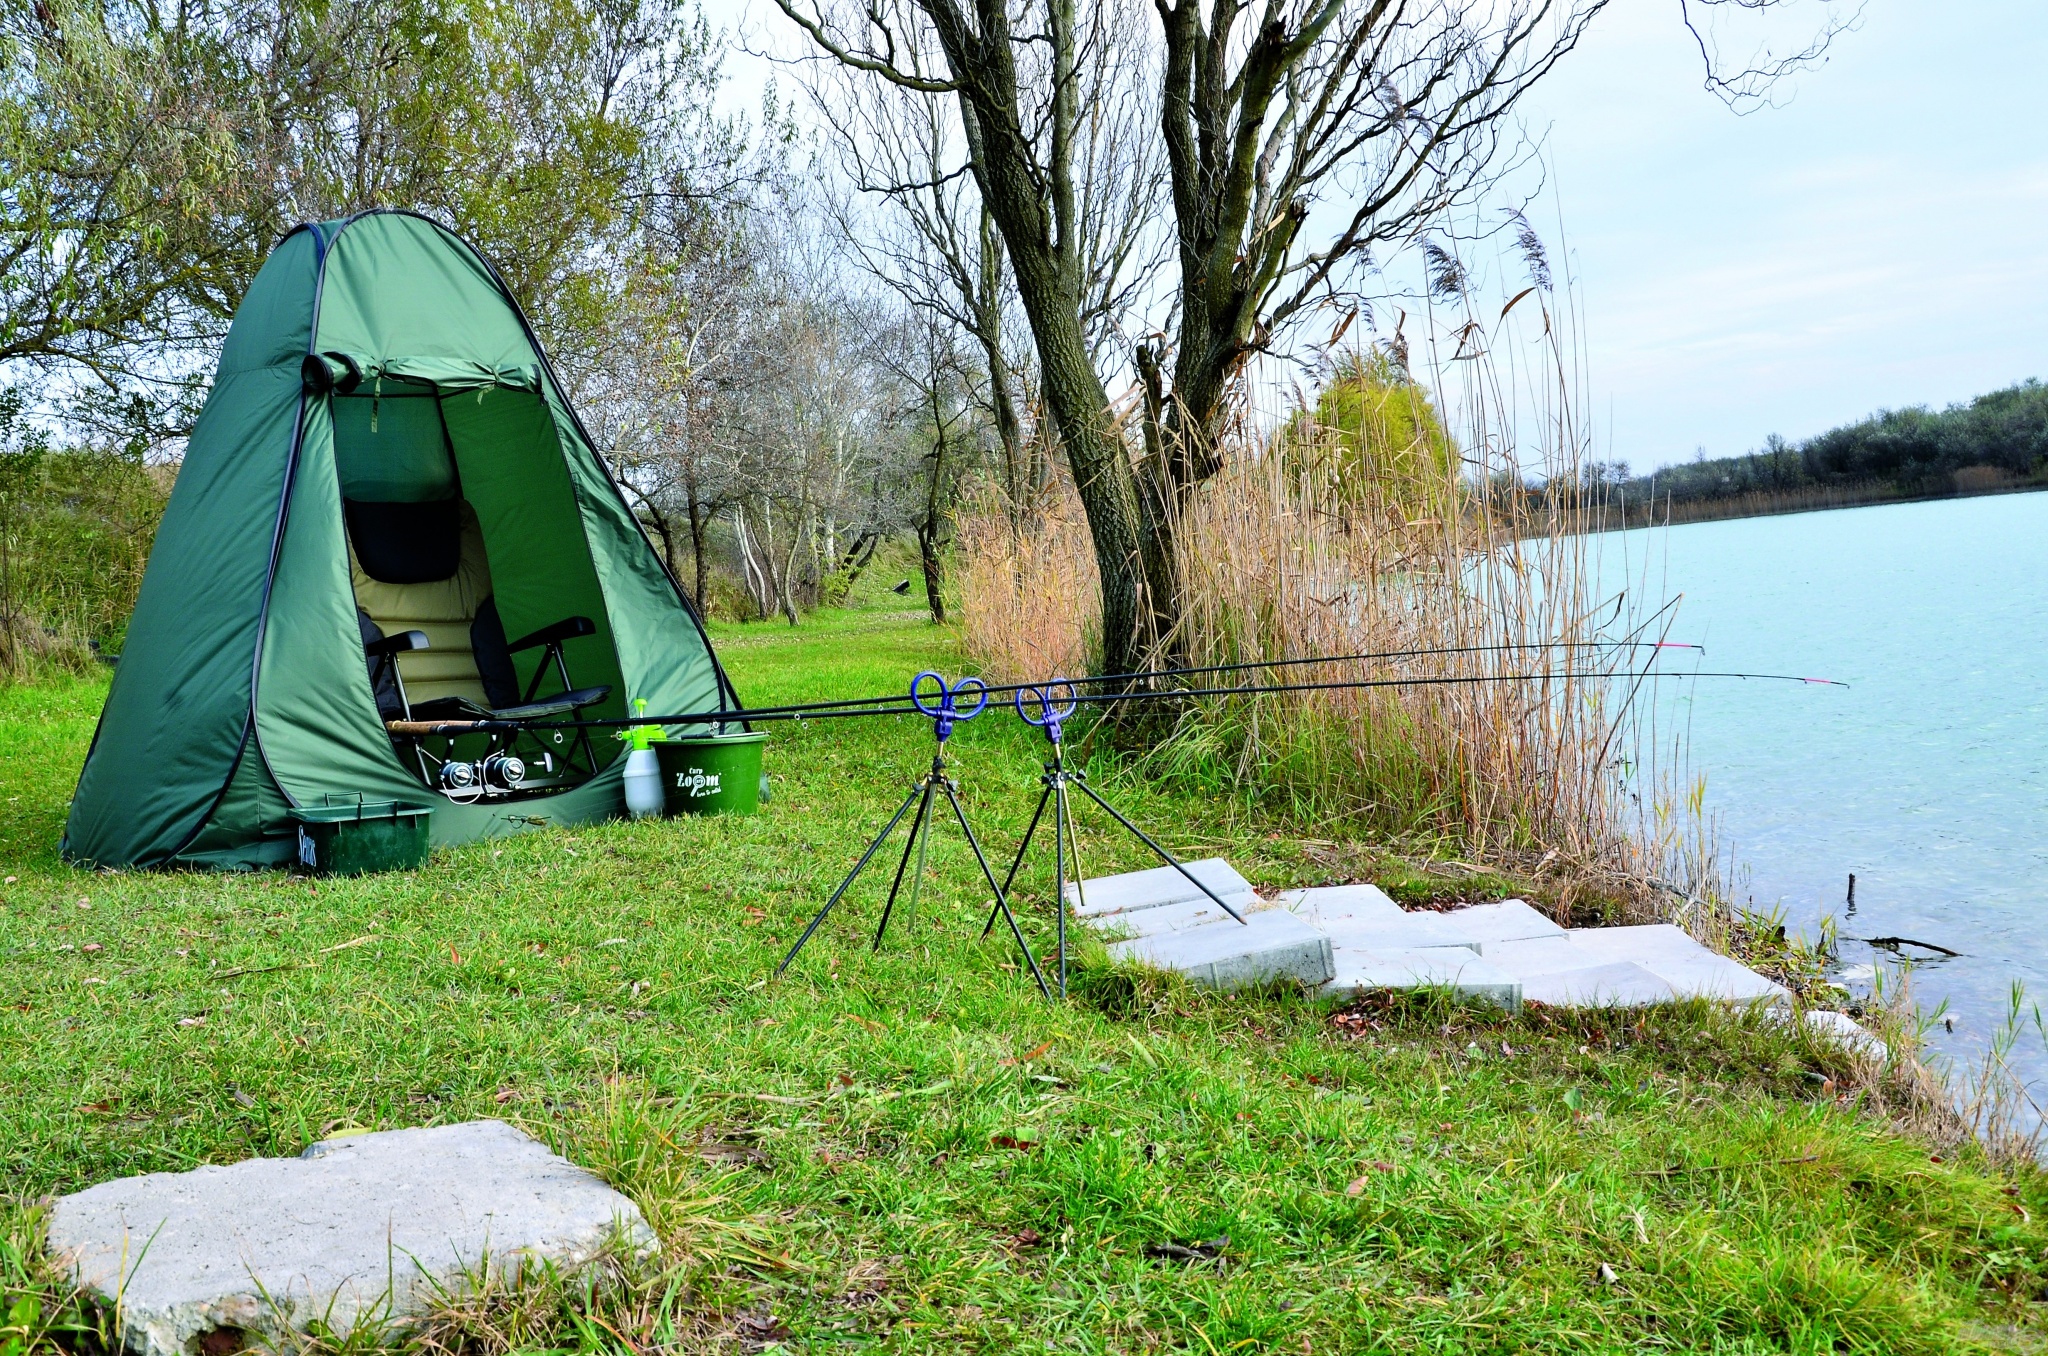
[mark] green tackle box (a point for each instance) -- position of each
(353, 837)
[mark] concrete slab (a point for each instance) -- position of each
(1510, 920)
(1269, 946)
(1637, 943)
(1180, 917)
(353, 1229)
(1537, 955)
(1614, 984)
(1670, 953)
(1329, 904)
(1462, 971)
(1160, 886)
(1715, 976)
(1403, 932)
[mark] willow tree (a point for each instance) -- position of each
(1298, 135)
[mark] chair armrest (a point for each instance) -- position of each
(398, 644)
(561, 630)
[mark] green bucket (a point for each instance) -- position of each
(351, 837)
(712, 775)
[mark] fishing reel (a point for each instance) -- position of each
(495, 774)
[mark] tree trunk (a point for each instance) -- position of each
(934, 578)
(698, 523)
(1045, 260)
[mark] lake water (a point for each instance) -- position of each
(1927, 777)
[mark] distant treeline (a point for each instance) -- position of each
(1995, 442)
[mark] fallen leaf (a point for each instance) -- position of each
(873, 1026)
(12, 879)
(1012, 1142)
(92, 946)
(454, 957)
(1027, 1237)
(1357, 1186)
(1025, 1058)
(193, 1021)
(242, 1097)
(101, 1107)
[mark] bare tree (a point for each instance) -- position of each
(1400, 108)
(936, 244)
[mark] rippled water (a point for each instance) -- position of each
(1928, 776)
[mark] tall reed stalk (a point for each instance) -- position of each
(1535, 743)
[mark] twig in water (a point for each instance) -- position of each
(1894, 943)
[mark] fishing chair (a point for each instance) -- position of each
(503, 699)
(427, 560)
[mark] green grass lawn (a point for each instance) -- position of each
(910, 1150)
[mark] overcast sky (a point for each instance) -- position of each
(1878, 239)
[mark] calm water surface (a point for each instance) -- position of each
(1928, 776)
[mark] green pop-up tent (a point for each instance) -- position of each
(380, 398)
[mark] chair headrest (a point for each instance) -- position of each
(406, 543)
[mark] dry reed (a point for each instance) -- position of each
(1529, 738)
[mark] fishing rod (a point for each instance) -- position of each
(867, 706)
(901, 706)
(1100, 679)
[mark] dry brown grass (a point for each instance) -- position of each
(1523, 735)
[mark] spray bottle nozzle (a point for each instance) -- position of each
(639, 736)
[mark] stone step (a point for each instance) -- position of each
(1158, 887)
(1505, 952)
(364, 1226)
(1191, 913)
(1459, 970)
(1268, 947)
(1611, 984)
(1331, 905)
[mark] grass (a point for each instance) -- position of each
(909, 1151)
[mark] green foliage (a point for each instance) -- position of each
(150, 157)
(1913, 451)
(1376, 435)
(75, 533)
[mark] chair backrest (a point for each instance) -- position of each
(493, 656)
(400, 543)
(443, 607)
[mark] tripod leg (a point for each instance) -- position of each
(923, 844)
(917, 824)
(1074, 854)
(1022, 847)
(1002, 904)
(1059, 874)
(1164, 855)
(844, 885)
